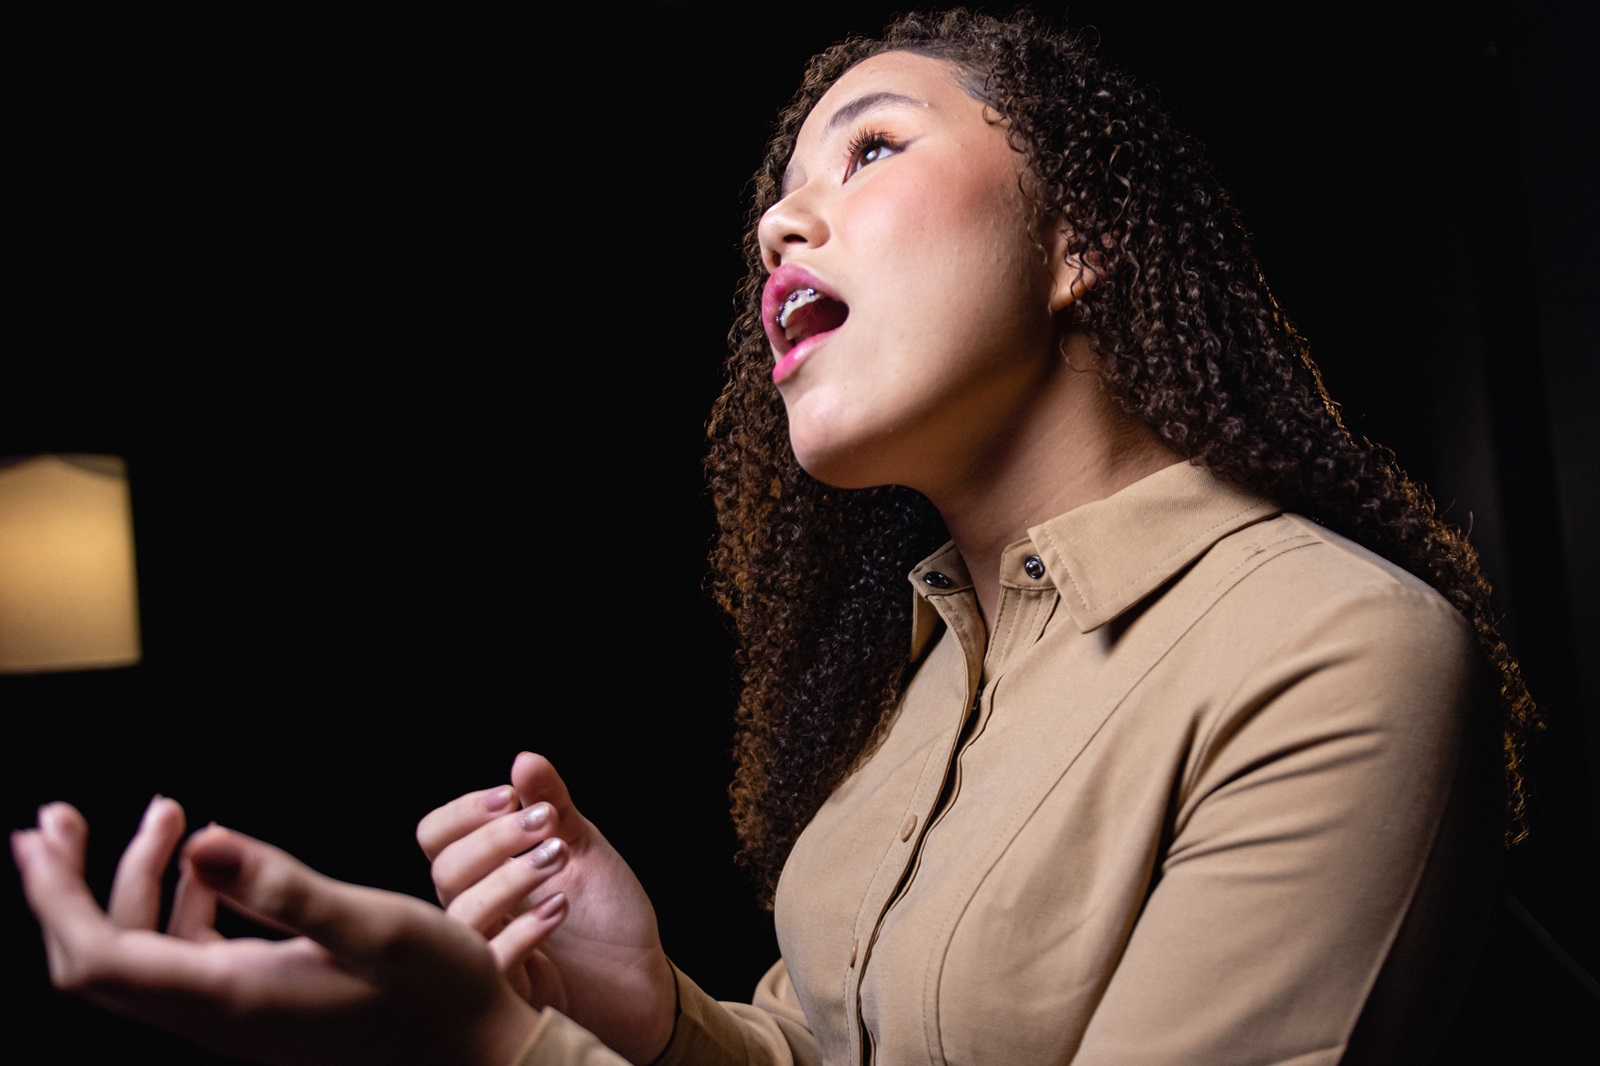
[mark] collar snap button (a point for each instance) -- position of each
(936, 579)
(1034, 567)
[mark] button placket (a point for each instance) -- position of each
(958, 613)
(924, 801)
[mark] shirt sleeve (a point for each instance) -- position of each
(1337, 836)
(559, 1041)
(769, 1031)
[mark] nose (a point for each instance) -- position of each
(793, 222)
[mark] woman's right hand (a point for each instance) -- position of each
(504, 851)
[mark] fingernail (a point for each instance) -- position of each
(551, 906)
(499, 799)
(546, 854)
(218, 865)
(535, 816)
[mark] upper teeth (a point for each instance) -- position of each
(792, 303)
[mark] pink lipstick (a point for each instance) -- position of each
(798, 312)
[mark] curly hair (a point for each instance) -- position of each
(1190, 341)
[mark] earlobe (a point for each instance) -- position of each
(1071, 275)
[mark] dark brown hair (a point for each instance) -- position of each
(1190, 340)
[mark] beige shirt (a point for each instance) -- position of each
(1219, 786)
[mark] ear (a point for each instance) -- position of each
(1071, 276)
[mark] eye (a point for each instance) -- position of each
(870, 146)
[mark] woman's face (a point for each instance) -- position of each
(910, 303)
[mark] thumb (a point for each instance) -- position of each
(535, 779)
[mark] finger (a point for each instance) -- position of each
(500, 896)
(194, 907)
(520, 939)
(474, 857)
(144, 975)
(364, 928)
(50, 860)
(63, 830)
(87, 953)
(136, 888)
(521, 984)
(445, 825)
(535, 779)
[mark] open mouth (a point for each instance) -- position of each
(799, 311)
(806, 312)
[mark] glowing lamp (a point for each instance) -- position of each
(68, 598)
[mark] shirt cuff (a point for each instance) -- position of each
(706, 1033)
(557, 1040)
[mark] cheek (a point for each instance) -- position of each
(968, 237)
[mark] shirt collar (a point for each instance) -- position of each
(1106, 556)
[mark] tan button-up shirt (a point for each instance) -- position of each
(1217, 786)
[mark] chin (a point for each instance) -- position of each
(840, 449)
(830, 471)
(845, 468)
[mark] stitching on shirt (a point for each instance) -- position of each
(1204, 745)
(1162, 565)
(1204, 600)
(855, 972)
(997, 646)
(1394, 588)
(1024, 626)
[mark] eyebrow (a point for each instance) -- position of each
(870, 102)
(851, 111)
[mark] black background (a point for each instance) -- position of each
(408, 326)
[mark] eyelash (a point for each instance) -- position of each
(866, 141)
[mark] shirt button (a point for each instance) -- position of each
(1034, 566)
(908, 827)
(854, 944)
(936, 579)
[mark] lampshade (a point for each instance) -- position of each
(68, 598)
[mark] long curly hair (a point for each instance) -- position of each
(1190, 341)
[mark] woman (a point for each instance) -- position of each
(1187, 761)
(1186, 749)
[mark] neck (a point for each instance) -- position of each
(1074, 447)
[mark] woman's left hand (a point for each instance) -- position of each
(373, 976)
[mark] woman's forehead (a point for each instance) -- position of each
(876, 88)
(891, 74)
